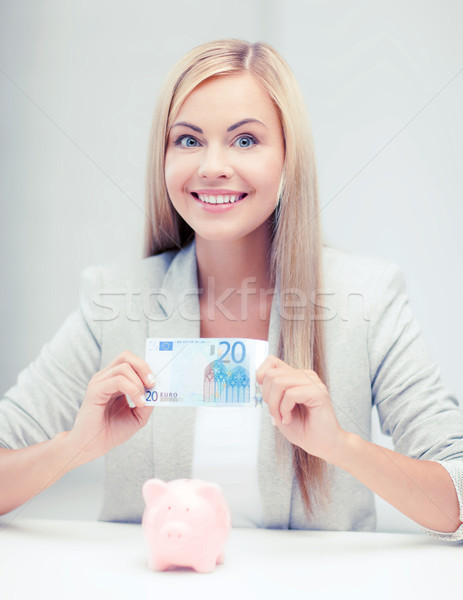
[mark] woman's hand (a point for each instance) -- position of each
(300, 404)
(105, 419)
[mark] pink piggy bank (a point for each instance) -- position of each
(186, 523)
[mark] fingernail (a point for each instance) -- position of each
(142, 399)
(151, 379)
(272, 420)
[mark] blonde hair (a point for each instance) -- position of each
(296, 235)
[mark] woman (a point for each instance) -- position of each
(232, 201)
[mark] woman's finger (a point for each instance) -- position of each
(120, 384)
(309, 395)
(140, 367)
(276, 381)
(271, 362)
(127, 371)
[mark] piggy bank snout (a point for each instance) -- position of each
(175, 531)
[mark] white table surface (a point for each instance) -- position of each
(79, 559)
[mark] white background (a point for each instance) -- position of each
(383, 84)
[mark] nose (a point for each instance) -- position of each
(214, 164)
(175, 532)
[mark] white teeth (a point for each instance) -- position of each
(219, 199)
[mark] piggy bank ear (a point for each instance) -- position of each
(153, 489)
(211, 492)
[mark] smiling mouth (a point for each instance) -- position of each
(219, 198)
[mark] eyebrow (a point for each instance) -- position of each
(231, 128)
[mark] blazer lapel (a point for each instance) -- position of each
(173, 429)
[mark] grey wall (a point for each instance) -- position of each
(383, 86)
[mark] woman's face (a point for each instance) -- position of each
(224, 158)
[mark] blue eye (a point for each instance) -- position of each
(190, 141)
(248, 140)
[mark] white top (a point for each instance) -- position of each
(225, 452)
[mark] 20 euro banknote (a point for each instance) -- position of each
(205, 371)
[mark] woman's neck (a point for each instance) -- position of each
(232, 265)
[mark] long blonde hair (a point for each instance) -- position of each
(296, 235)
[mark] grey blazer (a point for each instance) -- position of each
(375, 355)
